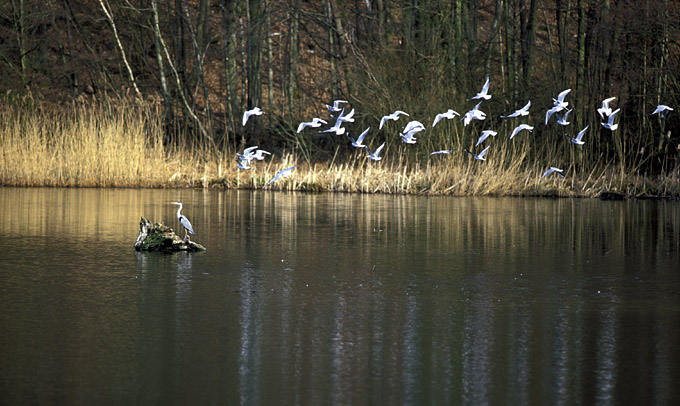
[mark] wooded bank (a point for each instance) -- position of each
(203, 62)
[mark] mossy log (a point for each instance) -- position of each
(159, 237)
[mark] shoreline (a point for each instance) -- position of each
(125, 148)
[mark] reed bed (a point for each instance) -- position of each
(123, 147)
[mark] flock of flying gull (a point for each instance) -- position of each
(559, 109)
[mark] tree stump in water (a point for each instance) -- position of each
(159, 237)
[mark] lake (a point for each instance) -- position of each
(338, 299)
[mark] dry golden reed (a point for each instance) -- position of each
(122, 147)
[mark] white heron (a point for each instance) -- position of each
(358, 143)
(524, 111)
(336, 106)
(281, 173)
(662, 110)
(551, 170)
(315, 123)
(375, 155)
(579, 136)
(520, 128)
(449, 115)
(484, 94)
(605, 110)
(610, 121)
(394, 116)
(254, 112)
(184, 221)
(485, 135)
(480, 156)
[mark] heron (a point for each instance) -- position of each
(184, 221)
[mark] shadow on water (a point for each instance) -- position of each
(344, 299)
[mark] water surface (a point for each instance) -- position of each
(339, 299)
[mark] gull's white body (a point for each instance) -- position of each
(375, 155)
(259, 154)
(552, 111)
(444, 151)
(485, 135)
(605, 110)
(394, 116)
(524, 111)
(579, 136)
(610, 121)
(336, 105)
(315, 123)
(484, 94)
(412, 125)
(358, 143)
(662, 110)
(254, 112)
(474, 114)
(281, 173)
(480, 156)
(247, 156)
(559, 102)
(551, 170)
(521, 127)
(449, 115)
(409, 136)
(563, 120)
(349, 118)
(337, 129)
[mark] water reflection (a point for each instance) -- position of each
(340, 299)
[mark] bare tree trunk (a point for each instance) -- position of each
(383, 29)
(457, 39)
(199, 55)
(179, 48)
(270, 58)
(510, 49)
(109, 17)
(62, 49)
(180, 90)
(335, 88)
(342, 39)
(293, 55)
(527, 41)
(202, 23)
(562, 40)
(230, 66)
(470, 19)
(492, 35)
(167, 102)
(581, 70)
(253, 48)
(20, 29)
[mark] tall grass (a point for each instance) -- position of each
(101, 146)
(122, 146)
